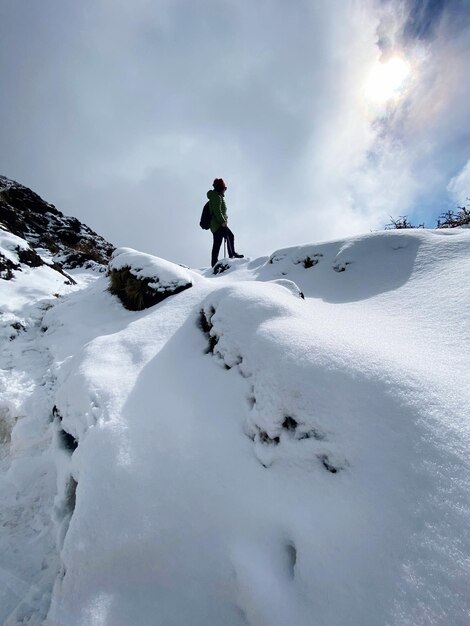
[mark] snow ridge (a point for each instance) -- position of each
(284, 443)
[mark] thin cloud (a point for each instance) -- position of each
(123, 115)
(459, 186)
(423, 17)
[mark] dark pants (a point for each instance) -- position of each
(223, 232)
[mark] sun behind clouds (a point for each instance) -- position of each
(388, 81)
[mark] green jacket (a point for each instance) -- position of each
(218, 209)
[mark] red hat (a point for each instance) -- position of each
(219, 184)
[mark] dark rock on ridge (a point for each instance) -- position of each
(137, 294)
(70, 243)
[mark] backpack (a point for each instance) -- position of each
(206, 217)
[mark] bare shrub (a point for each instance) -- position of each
(452, 219)
(401, 222)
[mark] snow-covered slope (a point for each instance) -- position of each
(58, 240)
(239, 454)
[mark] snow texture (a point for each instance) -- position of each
(163, 275)
(239, 454)
(10, 244)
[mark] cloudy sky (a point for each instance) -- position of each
(324, 117)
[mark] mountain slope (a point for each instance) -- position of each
(40, 249)
(241, 455)
(59, 240)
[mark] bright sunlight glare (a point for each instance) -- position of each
(387, 81)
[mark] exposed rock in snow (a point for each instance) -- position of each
(142, 280)
(68, 242)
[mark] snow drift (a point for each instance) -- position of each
(238, 454)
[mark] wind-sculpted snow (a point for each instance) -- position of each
(314, 404)
(362, 267)
(238, 454)
(282, 418)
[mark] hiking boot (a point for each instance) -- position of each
(238, 256)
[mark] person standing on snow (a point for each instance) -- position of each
(218, 226)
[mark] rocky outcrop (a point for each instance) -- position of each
(64, 240)
(141, 280)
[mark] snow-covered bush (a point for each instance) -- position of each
(142, 280)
